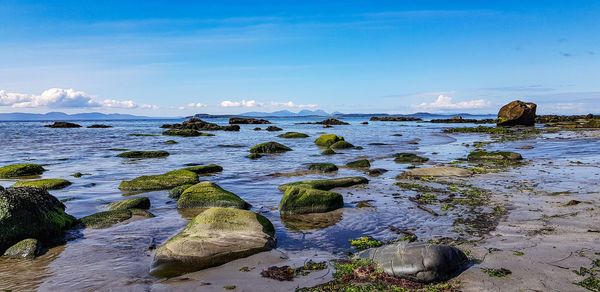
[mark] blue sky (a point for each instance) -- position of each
(174, 58)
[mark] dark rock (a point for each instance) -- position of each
(332, 122)
(409, 158)
(376, 171)
(144, 154)
(25, 249)
(270, 147)
(364, 123)
(363, 163)
(323, 167)
(200, 125)
(99, 126)
(257, 129)
(21, 170)
(273, 129)
(301, 200)
(395, 119)
(185, 133)
(247, 121)
(328, 151)
(517, 113)
(495, 155)
(63, 125)
(254, 156)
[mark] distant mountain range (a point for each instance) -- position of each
(59, 116)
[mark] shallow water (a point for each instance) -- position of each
(120, 256)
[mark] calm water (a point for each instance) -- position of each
(119, 256)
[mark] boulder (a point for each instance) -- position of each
(293, 135)
(494, 155)
(328, 151)
(107, 219)
(270, 147)
(437, 171)
(25, 249)
(341, 145)
(301, 200)
(326, 184)
(144, 154)
(31, 213)
(176, 192)
(21, 170)
(200, 125)
(208, 194)
(326, 140)
(131, 203)
(163, 181)
(332, 122)
(46, 184)
(363, 163)
(214, 237)
(185, 133)
(409, 158)
(376, 171)
(247, 121)
(418, 262)
(99, 126)
(254, 156)
(273, 129)
(323, 167)
(204, 169)
(517, 113)
(63, 125)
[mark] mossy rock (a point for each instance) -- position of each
(254, 156)
(293, 135)
(328, 151)
(25, 249)
(299, 200)
(46, 184)
(171, 142)
(326, 140)
(107, 219)
(131, 203)
(144, 154)
(185, 133)
(21, 170)
(341, 145)
(363, 163)
(164, 181)
(32, 213)
(409, 158)
(208, 194)
(270, 147)
(326, 184)
(323, 167)
(495, 155)
(176, 192)
(205, 169)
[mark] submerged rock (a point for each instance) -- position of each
(46, 184)
(21, 170)
(144, 154)
(247, 121)
(99, 126)
(341, 145)
(270, 147)
(164, 181)
(200, 125)
(107, 219)
(301, 200)
(63, 125)
(326, 184)
(495, 155)
(436, 171)
(323, 167)
(311, 221)
(185, 133)
(517, 113)
(31, 213)
(326, 140)
(214, 237)
(171, 142)
(409, 158)
(131, 203)
(273, 128)
(363, 163)
(205, 169)
(376, 171)
(328, 151)
(208, 194)
(418, 262)
(25, 249)
(293, 135)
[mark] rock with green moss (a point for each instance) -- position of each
(323, 167)
(409, 158)
(208, 194)
(107, 219)
(144, 154)
(46, 184)
(32, 213)
(163, 181)
(131, 203)
(254, 156)
(176, 192)
(21, 170)
(25, 249)
(341, 145)
(270, 147)
(185, 133)
(363, 163)
(495, 155)
(171, 142)
(326, 184)
(326, 140)
(293, 135)
(328, 151)
(214, 237)
(300, 200)
(205, 169)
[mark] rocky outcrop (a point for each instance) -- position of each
(543, 119)
(322, 167)
(332, 122)
(273, 129)
(107, 219)
(63, 125)
(409, 158)
(517, 113)
(300, 200)
(270, 147)
(157, 182)
(21, 170)
(395, 119)
(459, 120)
(246, 121)
(200, 125)
(99, 126)
(131, 203)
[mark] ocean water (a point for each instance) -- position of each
(120, 255)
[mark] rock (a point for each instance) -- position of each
(364, 123)
(21, 170)
(46, 184)
(254, 156)
(418, 262)
(293, 135)
(495, 155)
(247, 121)
(273, 129)
(131, 203)
(311, 221)
(208, 194)
(326, 184)
(327, 126)
(301, 200)
(328, 151)
(526, 147)
(436, 171)
(364, 204)
(99, 126)
(185, 133)
(176, 192)
(341, 145)
(257, 129)
(363, 163)
(409, 158)
(63, 125)
(517, 113)
(543, 119)
(395, 119)
(270, 147)
(323, 167)
(376, 171)
(332, 122)
(144, 154)
(171, 142)
(164, 181)
(205, 169)
(25, 249)
(200, 125)
(326, 140)
(31, 213)
(214, 237)
(107, 219)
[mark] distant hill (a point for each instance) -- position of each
(59, 116)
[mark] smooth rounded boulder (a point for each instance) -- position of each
(517, 113)
(299, 200)
(214, 237)
(270, 147)
(208, 194)
(420, 262)
(326, 140)
(25, 249)
(157, 182)
(21, 170)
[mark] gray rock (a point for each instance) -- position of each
(24, 249)
(418, 261)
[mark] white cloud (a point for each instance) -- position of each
(196, 105)
(445, 102)
(272, 104)
(119, 104)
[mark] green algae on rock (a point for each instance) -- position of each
(107, 219)
(270, 147)
(208, 194)
(323, 167)
(409, 158)
(293, 135)
(341, 145)
(495, 155)
(144, 154)
(204, 169)
(157, 182)
(326, 140)
(185, 133)
(176, 192)
(254, 156)
(301, 200)
(326, 184)
(363, 163)
(214, 237)
(25, 249)
(21, 170)
(328, 151)
(46, 184)
(131, 203)
(171, 142)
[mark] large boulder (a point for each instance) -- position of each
(517, 113)
(326, 184)
(63, 125)
(107, 219)
(157, 182)
(208, 194)
(299, 200)
(46, 184)
(437, 171)
(363, 163)
(200, 125)
(326, 140)
(270, 147)
(214, 237)
(31, 213)
(418, 262)
(21, 170)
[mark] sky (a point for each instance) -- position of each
(176, 58)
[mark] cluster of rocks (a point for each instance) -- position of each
(326, 122)
(395, 119)
(63, 125)
(200, 125)
(246, 121)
